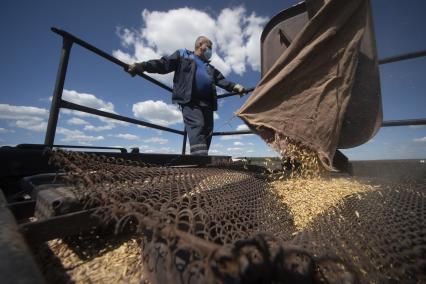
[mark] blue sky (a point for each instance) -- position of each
(140, 30)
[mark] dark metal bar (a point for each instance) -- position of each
(105, 55)
(70, 105)
(341, 162)
(184, 142)
(232, 132)
(74, 223)
(57, 93)
(283, 38)
(402, 57)
(39, 146)
(22, 210)
(398, 171)
(122, 150)
(235, 93)
(60, 226)
(404, 122)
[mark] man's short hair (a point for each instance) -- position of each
(200, 40)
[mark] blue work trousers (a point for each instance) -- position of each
(199, 126)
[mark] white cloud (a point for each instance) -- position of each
(231, 137)
(253, 32)
(91, 101)
(238, 143)
(76, 121)
(234, 32)
(21, 112)
(236, 149)
(157, 112)
(127, 136)
(163, 29)
(4, 130)
(221, 102)
(166, 150)
(242, 127)
(141, 52)
(156, 140)
(215, 116)
(36, 124)
(77, 136)
(421, 140)
(26, 117)
(99, 128)
(88, 100)
(230, 40)
(163, 150)
(35, 119)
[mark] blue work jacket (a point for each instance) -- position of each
(184, 67)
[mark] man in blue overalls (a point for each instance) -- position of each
(194, 89)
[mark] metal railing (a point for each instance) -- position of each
(58, 102)
(41, 146)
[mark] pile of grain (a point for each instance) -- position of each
(64, 262)
(309, 197)
(306, 187)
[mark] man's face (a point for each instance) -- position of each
(206, 45)
(203, 47)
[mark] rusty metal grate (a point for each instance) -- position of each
(225, 224)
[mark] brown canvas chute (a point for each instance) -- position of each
(323, 90)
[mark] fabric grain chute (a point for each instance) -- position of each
(320, 81)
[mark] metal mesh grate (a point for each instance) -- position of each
(381, 233)
(226, 224)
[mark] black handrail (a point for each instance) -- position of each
(39, 146)
(112, 59)
(404, 122)
(235, 93)
(73, 106)
(386, 123)
(105, 55)
(401, 57)
(221, 133)
(58, 102)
